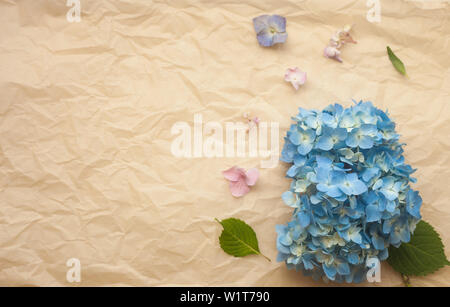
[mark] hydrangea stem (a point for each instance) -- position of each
(406, 280)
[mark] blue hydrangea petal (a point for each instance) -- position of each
(265, 38)
(330, 271)
(378, 184)
(281, 248)
(261, 23)
(389, 194)
(369, 130)
(358, 187)
(307, 264)
(390, 206)
(341, 133)
(346, 189)
(279, 38)
(281, 229)
(278, 22)
(304, 219)
(352, 140)
(295, 137)
(405, 235)
(282, 257)
(286, 240)
(289, 199)
(304, 149)
(343, 268)
(413, 203)
(299, 160)
(334, 191)
(311, 135)
(329, 120)
(357, 238)
(293, 170)
(325, 143)
(394, 238)
(370, 173)
(387, 226)
(288, 153)
(378, 242)
(373, 214)
(353, 258)
(366, 142)
(322, 187)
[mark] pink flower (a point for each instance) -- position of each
(241, 180)
(332, 53)
(295, 76)
(251, 122)
(340, 38)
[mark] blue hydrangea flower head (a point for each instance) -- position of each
(270, 29)
(351, 192)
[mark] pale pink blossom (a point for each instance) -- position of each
(241, 180)
(295, 76)
(339, 39)
(251, 122)
(332, 53)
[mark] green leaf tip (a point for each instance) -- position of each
(398, 64)
(238, 239)
(421, 256)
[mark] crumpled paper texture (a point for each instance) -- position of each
(86, 110)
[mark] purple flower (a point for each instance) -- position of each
(270, 30)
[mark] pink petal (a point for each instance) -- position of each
(332, 53)
(239, 188)
(295, 76)
(290, 72)
(252, 176)
(302, 77)
(234, 173)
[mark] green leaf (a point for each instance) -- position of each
(398, 64)
(238, 239)
(423, 255)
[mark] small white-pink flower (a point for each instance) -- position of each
(295, 76)
(341, 37)
(332, 53)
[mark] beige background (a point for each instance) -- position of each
(86, 110)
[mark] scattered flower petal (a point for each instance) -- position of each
(234, 173)
(252, 122)
(332, 53)
(241, 180)
(295, 76)
(239, 188)
(252, 176)
(338, 39)
(270, 30)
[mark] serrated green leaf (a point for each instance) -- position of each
(238, 239)
(398, 64)
(423, 255)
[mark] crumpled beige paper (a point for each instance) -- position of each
(86, 111)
